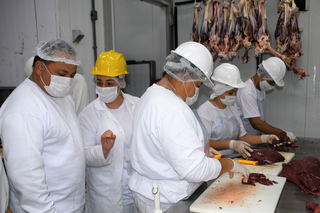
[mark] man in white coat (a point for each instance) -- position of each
(41, 136)
(108, 172)
(251, 100)
(168, 146)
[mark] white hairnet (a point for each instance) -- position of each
(182, 70)
(120, 80)
(219, 89)
(57, 50)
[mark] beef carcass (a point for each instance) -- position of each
(282, 28)
(265, 155)
(248, 30)
(224, 27)
(264, 38)
(204, 31)
(214, 40)
(305, 173)
(259, 178)
(194, 36)
(314, 207)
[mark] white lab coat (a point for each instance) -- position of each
(4, 189)
(79, 92)
(43, 151)
(167, 148)
(221, 124)
(104, 175)
(251, 103)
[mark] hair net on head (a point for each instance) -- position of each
(57, 50)
(263, 74)
(219, 89)
(182, 70)
(120, 80)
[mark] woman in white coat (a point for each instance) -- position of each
(108, 172)
(221, 119)
(168, 146)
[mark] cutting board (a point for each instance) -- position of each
(272, 169)
(229, 195)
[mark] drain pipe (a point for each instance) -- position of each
(94, 17)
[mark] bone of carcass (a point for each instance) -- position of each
(224, 28)
(214, 40)
(314, 207)
(204, 32)
(265, 155)
(305, 173)
(194, 36)
(295, 42)
(264, 38)
(282, 28)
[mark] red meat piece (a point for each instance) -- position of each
(314, 207)
(265, 155)
(260, 178)
(283, 138)
(305, 173)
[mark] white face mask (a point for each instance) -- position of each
(59, 86)
(107, 94)
(265, 86)
(228, 100)
(192, 100)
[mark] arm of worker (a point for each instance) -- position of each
(23, 144)
(96, 156)
(263, 126)
(232, 167)
(258, 139)
(240, 146)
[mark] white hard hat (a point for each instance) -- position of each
(276, 68)
(198, 55)
(228, 74)
(28, 67)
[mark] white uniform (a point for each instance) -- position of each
(4, 189)
(251, 103)
(79, 92)
(221, 124)
(168, 148)
(43, 151)
(107, 178)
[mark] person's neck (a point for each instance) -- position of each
(116, 103)
(174, 85)
(256, 81)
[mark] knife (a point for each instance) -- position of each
(250, 162)
(231, 156)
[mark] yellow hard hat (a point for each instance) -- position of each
(110, 64)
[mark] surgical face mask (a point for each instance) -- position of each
(107, 94)
(265, 86)
(228, 100)
(192, 100)
(59, 86)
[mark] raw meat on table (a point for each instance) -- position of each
(313, 206)
(265, 155)
(283, 138)
(305, 173)
(259, 178)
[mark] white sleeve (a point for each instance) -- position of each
(4, 189)
(93, 152)
(184, 150)
(22, 136)
(249, 105)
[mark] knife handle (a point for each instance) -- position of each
(217, 156)
(248, 162)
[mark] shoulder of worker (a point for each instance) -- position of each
(92, 108)
(206, 110)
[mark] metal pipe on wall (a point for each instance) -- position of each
(94, 17)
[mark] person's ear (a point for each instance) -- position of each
(38, 67)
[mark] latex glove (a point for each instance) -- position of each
(268, 138)
(242, 147)
(107, 141)
(239, 168)
(292, 137)
(213, 152)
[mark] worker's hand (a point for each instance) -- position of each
(213, 152)
(239, 168)
(268, 138)
(242, 147)
(292, 137)
(107, 141)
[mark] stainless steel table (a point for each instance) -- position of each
(292, 198)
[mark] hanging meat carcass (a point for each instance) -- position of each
(214, 40)
(282, 28)
(194, 36)
(204, 31)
